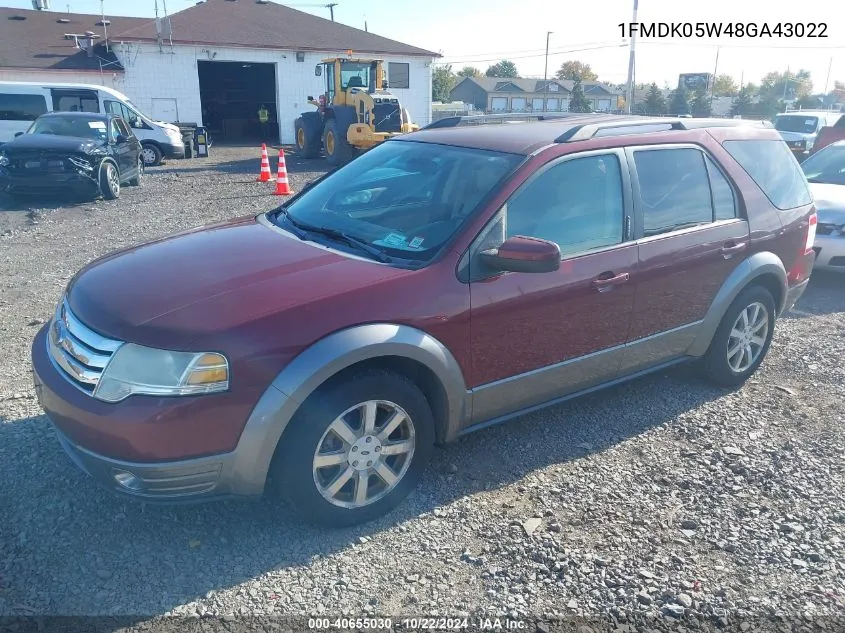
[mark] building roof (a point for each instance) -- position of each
(36, 40)
(251, 24)
(507, 84)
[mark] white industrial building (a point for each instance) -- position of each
(213, 64)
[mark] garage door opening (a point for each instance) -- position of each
(232, 93)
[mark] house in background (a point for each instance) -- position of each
(498, 94)
(215, 63)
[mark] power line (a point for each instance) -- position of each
(499, 58)
(528, 50)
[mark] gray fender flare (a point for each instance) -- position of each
(745, 273)
(319, 362)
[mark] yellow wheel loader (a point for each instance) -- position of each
(356, 111)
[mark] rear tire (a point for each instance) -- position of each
(338, 149)
(307, 139)
(151, 153)
(138, 180)
(401, 419)
(742, 338)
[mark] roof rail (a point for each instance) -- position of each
(481, 119)
(646, 125)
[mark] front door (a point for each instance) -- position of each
(690, 239)
(539, 336)
(123, 149)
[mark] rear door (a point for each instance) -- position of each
(690, 237)
(122, 150)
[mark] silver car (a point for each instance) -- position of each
(825, 172)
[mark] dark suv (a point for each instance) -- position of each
(442, 281)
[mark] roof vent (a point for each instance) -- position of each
(63, 21)
(262, 1)
(17, 17)
(102, 22)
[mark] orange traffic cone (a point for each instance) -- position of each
(282, 186)
(265, 175)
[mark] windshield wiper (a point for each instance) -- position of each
(361, 245)
(295, 228)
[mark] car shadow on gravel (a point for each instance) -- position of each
(105, 547)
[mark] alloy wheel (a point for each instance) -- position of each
(364, 454)
(113, 179)
(748, 337)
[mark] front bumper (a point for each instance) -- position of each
(830, 252)
(140, 437)
(173, 150)
(47, 182)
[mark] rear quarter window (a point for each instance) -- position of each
(15, 107)
(772, 166)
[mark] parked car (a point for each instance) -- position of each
(829, 134)
(77, 151)
(825, 170)
(441, 282)
(23, 102)
(799, 129)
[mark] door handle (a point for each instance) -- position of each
(732, 248)
(604, 283)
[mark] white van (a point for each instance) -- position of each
(23, 102)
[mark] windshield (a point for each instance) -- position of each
(796, 123)
(827, 166)
(78, 126)
(403, 197)
(354, 74)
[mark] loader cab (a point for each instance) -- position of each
(347, 76)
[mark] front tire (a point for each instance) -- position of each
(152, 154)
(109, 181)
(355, 449)
(307, 140)
(338, 150)
(742, 338)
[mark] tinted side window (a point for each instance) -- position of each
(123, 128)
(21, 107)
(772, 166)
(576, 204)
(113, 130)
(724, 202)
(674, 189)
(75, 101)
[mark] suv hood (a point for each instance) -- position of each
(205, 281)
(830, 202)
(50, 142)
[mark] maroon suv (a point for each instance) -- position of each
(442, 281)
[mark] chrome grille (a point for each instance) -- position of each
(77, 350)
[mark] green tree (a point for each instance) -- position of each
(724, 86)
(655, 102)
(504, 68)
(809, 102)
(442, 82)
(469, 71)
(577, 101)
(793, 85)
(700, 105)
(679, 103)
(742, 105)
(575, 70)
(838, 90)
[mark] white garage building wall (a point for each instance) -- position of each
(172, 74)
(108, 79)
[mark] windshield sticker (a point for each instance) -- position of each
(416, 242)
(395, 240)
(809, 121)
(96, 125)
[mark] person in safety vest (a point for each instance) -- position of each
(263, 119)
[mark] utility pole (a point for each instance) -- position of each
(331, 7)
(827, 79)
(546, 73)
(629, 97)
(713, 84)
(785, 84)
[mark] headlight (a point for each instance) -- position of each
(143, 370)
(174, 135)
(3, 160)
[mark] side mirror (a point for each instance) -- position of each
(318, 70)
(17, 134)
(384, 85)
(521, 254)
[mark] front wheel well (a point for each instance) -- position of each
(770, 282)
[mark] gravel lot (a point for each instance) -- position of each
(660, 499)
